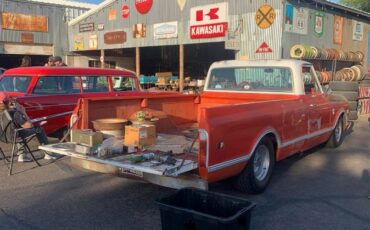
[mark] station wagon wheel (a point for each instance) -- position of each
(256, 175)
(337, 135)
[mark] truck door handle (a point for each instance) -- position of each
(313, 105)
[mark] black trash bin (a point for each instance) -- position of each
(191, 209)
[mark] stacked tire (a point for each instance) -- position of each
(349, 90)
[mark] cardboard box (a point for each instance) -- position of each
(140, 135)
(86, 137)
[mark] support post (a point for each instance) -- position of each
(102, 58)
(181, 67)
(137, 61)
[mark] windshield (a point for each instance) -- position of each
(15, 83)
(274, 79)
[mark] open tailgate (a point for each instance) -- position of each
(182, 163)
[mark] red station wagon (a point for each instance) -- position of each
(51, 93)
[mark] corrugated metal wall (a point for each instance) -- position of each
(326, 40)
(168, 10)
(57, 27)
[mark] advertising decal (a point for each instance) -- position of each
(13, 21)
(181, 4)
(139, 30)
(78, 42)
(112, 15)
(319, 24)
(93, 41)
(143, 6)
(116, 37)
(264, 48)
(125, 11)
(338, 30)
(358, 30)
(86, 27)
(265, 16)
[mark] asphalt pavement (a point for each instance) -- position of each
(320, 189)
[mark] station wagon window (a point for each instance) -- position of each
(57, 85)
(15, 83)
(311, 85)
(93, 84)
(267, 79)
(121, 83)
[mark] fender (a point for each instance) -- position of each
(245, 156)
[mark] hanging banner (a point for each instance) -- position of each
(208, 21)
(338, 30)
(112, 14)
(12, 21)
(165, 30)
(296, 19)
(265, 16)
(233, 40)
(319, 24)
(358, 30)
(78, 42)
(181, 4)
(143, 6)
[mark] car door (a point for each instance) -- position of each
(319, 110)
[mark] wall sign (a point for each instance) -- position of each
(296, 19)
(12, 21)
(358, 30)
(143, 6)
(125, 11)
(78, 42)
(112, 15)
(117, 37)
(165, 30)
(26, 38)
(233, 40)
(319, 24)
(139, 30)
(93, 41)
(208, 21)
(265, 16)
(86, 27)
(181, 4)
(338, 30)
(264, 48)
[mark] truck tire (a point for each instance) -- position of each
(352, 105)
(352, 116)
(256, 175)
(336, 137)
(343, 86)
(349, 95)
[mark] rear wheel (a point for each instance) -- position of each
(256, 176)
(336, 137)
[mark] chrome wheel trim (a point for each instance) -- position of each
(261, 162)
(338, 132)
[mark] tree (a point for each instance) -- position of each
(363, 5)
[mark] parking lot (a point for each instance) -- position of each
(320, 189)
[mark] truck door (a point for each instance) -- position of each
(318, 107)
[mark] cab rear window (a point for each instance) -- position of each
(15, 83)
(122, 83)
(57, 85)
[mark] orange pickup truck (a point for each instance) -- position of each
(250, 115)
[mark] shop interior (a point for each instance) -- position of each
(8, 61)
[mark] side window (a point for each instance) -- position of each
(311, 85)
(93, 84)
(15, 83)
(121, 83)
(57, 85)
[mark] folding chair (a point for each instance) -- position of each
(11, 133)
